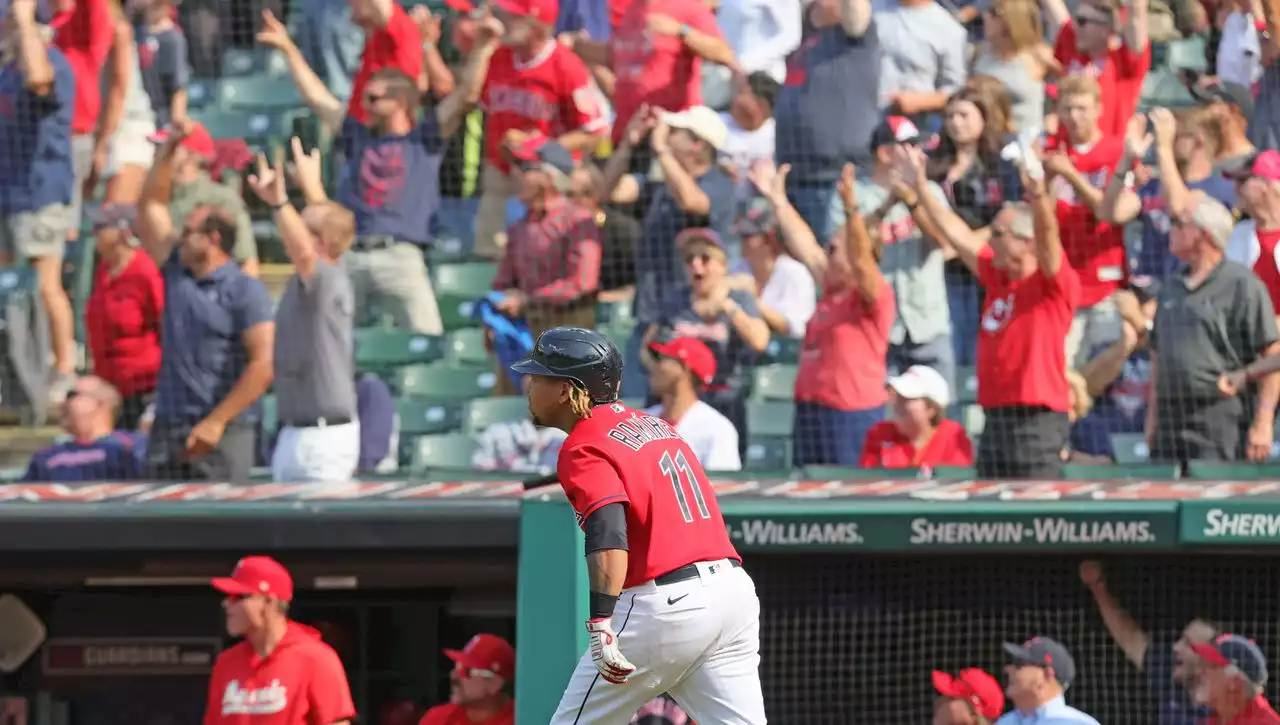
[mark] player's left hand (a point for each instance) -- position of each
(613, 666)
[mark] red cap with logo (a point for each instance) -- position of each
(257, 575)
(197, 141)
(975, 687)
(543, 11)
(692, 353)
(487, 652)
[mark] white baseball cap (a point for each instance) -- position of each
(921, 381)
(702, 122)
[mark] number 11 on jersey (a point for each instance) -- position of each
(672, 468)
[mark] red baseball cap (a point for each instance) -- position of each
(692, 353)
(198, 140)
(257, 575)
(462, 6)
(975, 687)
(1264, 165)
(543, 11)
(487, 652)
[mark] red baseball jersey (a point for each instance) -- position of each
(551, 94)
(621, 455)
(1095, 249)
(301, 682)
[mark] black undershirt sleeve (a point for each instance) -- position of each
(606, 528)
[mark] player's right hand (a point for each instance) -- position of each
(605, 654)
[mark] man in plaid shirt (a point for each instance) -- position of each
(550, 271)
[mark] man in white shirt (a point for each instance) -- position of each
(785, 290)
(752, 131)
(685, 365)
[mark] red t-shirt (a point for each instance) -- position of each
(842, 362)
(1095, 249)
(301, 681)
(453, 714)
(621, 455)
(551, 94)
(396, 46)
(886, 447)
(1022, 338)
(1258, 712)
(86, 40)
(122, 319)
(657, 69)
(1260, 251)
(1120, 74)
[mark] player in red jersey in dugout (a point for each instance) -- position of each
(280, 673)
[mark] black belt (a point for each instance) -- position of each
(315, 423)
(374, 242)
(685, 573)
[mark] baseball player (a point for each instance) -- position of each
(671, 609)
(281, 673)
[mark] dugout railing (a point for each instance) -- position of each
(867, 586)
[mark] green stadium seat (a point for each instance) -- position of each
(457, 287)
(1130, 448)
(1164, 88)
(955, 473)
(1188, 54)
(259, 93)
(619, 332)
(423, 416)
(1214, 471)
(608, 313)
(201, 92)
(465, 348)
(382, 348)
(966, 385)
(974, 419)
(768, 453)
(782, 350)
(773, 382)
(769, 418)
(270, 416)
(852, 473)
(480, 413)
(240, 62)
(442, 381)
(446, 249)
(448, 450)
(1139, 471)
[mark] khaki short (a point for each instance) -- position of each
(35, 234)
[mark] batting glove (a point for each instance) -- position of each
(604, 652)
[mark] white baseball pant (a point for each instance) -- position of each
(697, 640)
(327, 454)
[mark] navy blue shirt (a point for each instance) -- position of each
(203, 331)
(162, 59)
(1152, 258)
(661, 283)
(1122, 407)
(391, 183)
(829, 104)
(35, 139)
(117, 456)
(1173, 702)
(719, 335)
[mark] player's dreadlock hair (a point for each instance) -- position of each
(580, 401)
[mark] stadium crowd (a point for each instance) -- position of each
(897, 191)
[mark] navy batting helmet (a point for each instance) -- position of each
(585, 357)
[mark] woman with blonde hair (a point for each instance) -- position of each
(1015, 53)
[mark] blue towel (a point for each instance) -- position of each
(512, 340)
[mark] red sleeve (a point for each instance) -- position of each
(155, 303)
(1066, 282)
(1064, 46)
(328, 695)
(1130, 64)
(438, 715)
(699, 17)
(580, 106)
(589, 480)
(871, 445)
(406, 42)
(986, 269)
(213, 701)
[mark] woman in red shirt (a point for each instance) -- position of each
(919, 433)
(840, 389)
(123, 315)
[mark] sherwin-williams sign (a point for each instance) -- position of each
(1254, 521)
(932, 526)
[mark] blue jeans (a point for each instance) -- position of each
(826, 436)
(936, 353)
(964, 296)
(813, 202)
(457, 217)
(635, 379)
